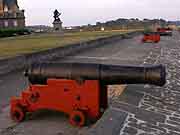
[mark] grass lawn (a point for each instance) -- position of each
(27, 44)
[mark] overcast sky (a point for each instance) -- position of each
(78, 12)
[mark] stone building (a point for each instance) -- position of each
(10, 15)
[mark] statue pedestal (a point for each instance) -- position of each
(57, 25)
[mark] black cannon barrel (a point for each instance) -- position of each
(107, 74)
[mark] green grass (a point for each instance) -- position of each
(33, 43)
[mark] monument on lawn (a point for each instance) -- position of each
(57, 24)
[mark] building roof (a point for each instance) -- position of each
(10, 3)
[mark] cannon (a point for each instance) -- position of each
(165, 31)
(78, 89)
(151, 37)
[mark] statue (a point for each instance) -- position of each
(57, 21)
(56, 15)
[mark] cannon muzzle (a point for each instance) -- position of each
(107, 74)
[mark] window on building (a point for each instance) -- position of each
(6, 24)
(15, 23)
(5, 9)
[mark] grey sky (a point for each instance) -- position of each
(77, 12)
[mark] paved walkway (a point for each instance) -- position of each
(155, 110)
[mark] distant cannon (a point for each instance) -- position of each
(151, 37)
(165, 31)
(78, 89)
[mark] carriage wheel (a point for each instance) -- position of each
(17, 114)
(77, 118)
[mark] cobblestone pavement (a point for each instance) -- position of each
(155, 110)
(139, 110)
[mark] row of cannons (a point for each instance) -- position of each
(78, 89)
(155, 37)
